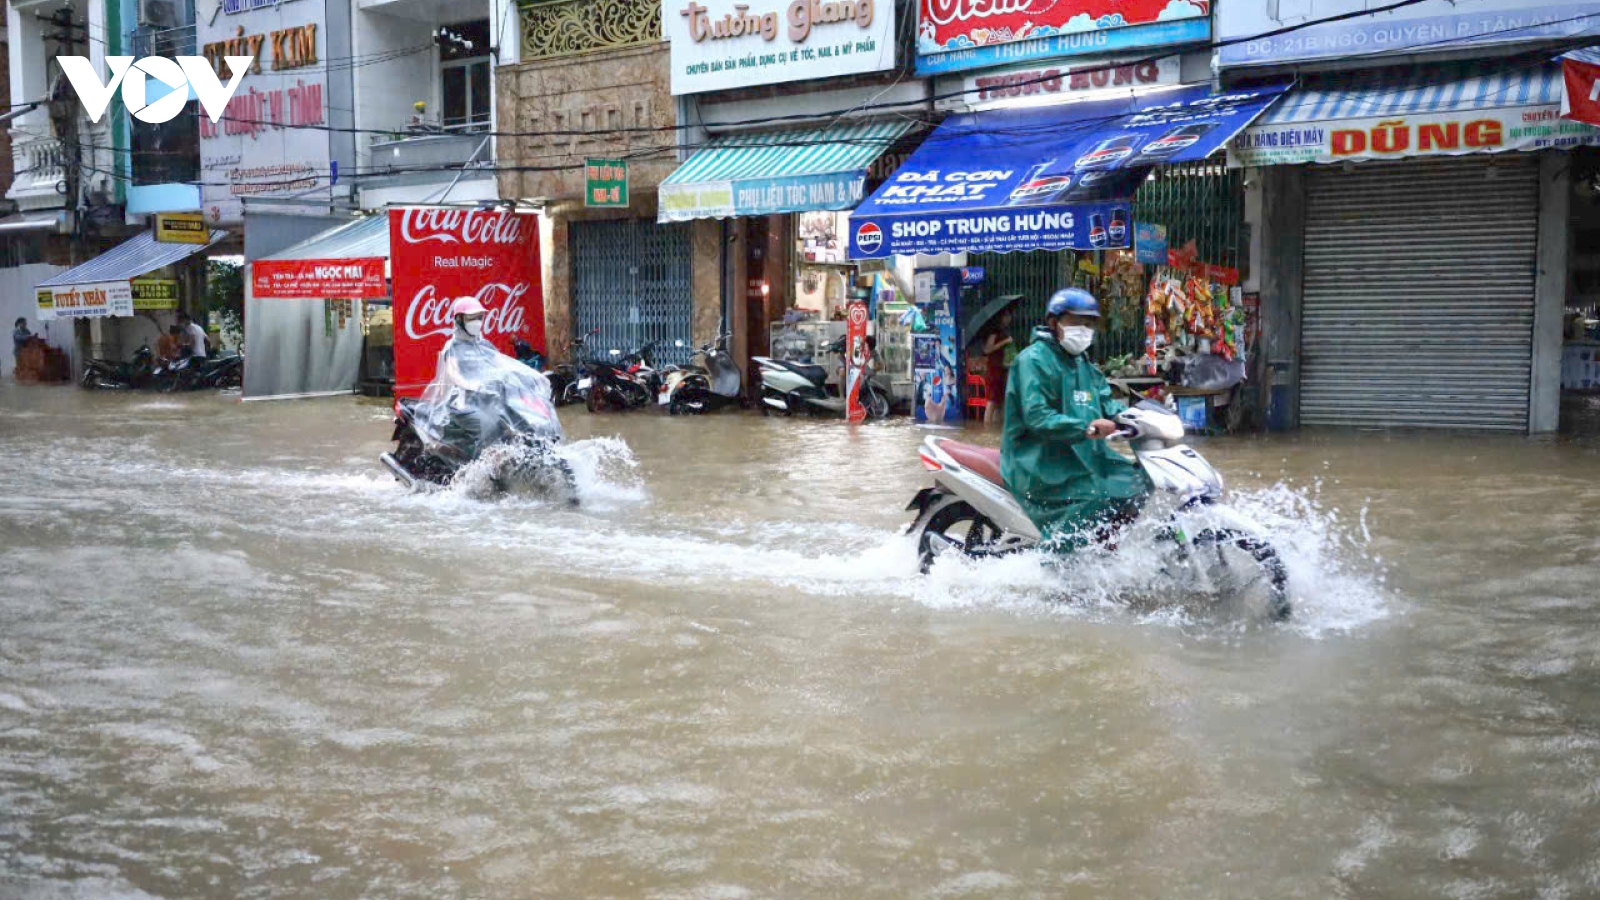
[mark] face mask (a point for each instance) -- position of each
(473, 327)
(1076, 338)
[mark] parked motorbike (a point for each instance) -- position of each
(110, 374)
(482, 407)
(788, 388)
(969, 511)
(623, 382)
(198, 374)
(697, 389)
(569, 382)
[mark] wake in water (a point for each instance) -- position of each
(604, 475)
(1335, 583)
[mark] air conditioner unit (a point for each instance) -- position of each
(160, 13)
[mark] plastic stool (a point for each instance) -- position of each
(977, 397)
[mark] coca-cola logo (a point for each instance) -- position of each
(943, 12)
(420, 225)
(429, 313)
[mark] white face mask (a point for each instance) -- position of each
(1076, 338)
(473, 327)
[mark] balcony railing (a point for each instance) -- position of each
(564, 27)
(443, 148)
(165, 42)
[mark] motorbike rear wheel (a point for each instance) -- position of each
(877, 404)
(955, 526)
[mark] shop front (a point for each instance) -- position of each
(786, 194)
(129, 296)
(1114, 195)
(1414, 249)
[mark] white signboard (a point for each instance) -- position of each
(720, 44)
(272, 141)
(1425, 27)
(1063, 81)
(106, 298)
(1421, 134)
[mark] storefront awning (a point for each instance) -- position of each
(1044, 178)
(48, 222)
(346, 261)
(103, 286)
(1445, 112)
(767, 172)
(130, 259)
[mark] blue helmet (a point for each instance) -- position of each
(1072, 301)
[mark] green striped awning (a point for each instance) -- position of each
(759, 173)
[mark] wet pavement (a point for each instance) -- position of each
(236, 661)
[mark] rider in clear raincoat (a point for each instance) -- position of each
(480, 396)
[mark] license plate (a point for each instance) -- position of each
(585, 383)
(663, 398)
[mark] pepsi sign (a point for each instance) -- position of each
(869, 238)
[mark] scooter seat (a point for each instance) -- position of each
(815, 374)
(984, 461)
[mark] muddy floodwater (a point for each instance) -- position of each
(236, 661)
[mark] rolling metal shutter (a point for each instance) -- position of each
(631, 280)
(1419, 294)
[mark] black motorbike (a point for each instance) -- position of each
(109, 374)
(624, 382)
(568, 381)
(487, 410)
(199, 373)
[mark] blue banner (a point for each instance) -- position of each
(799, 193)
(1046, 178)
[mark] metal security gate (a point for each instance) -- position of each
(631, 280)
(1419, 294)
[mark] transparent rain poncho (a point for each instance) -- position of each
(480, 397)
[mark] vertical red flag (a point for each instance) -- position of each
(855, 360)
(439, 254)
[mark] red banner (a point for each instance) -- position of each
(1580, 99)
(959, 24)
(317, 279)
(855, 361)
(440, 254)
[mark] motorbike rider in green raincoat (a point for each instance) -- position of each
(1053, 453)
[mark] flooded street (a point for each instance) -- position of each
(237, 661)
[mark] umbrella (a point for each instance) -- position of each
(986, 312)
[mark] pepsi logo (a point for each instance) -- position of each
(869, 237)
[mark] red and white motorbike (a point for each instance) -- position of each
(969, 511)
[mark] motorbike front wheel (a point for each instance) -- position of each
(1244, 572)
(877, 404)
(954, 527)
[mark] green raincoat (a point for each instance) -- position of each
(1064, 479)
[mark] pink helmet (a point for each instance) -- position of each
(467, 306)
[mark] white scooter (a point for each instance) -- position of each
(789, 388)
(970, 511)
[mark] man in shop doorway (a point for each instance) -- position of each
(196, 335)
(19, 339)
(1053, 452)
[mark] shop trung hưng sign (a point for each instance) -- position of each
(720, 44)
(953, 35)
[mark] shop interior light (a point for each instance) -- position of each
(1042, 99)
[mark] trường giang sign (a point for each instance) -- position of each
(953, 35)
(719, 44)
(1424, 27)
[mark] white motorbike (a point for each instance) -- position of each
(970, 511)
(788, 388)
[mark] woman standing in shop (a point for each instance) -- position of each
(999, 351)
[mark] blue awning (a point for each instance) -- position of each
(1045, 178)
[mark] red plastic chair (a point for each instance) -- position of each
(977, 397)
